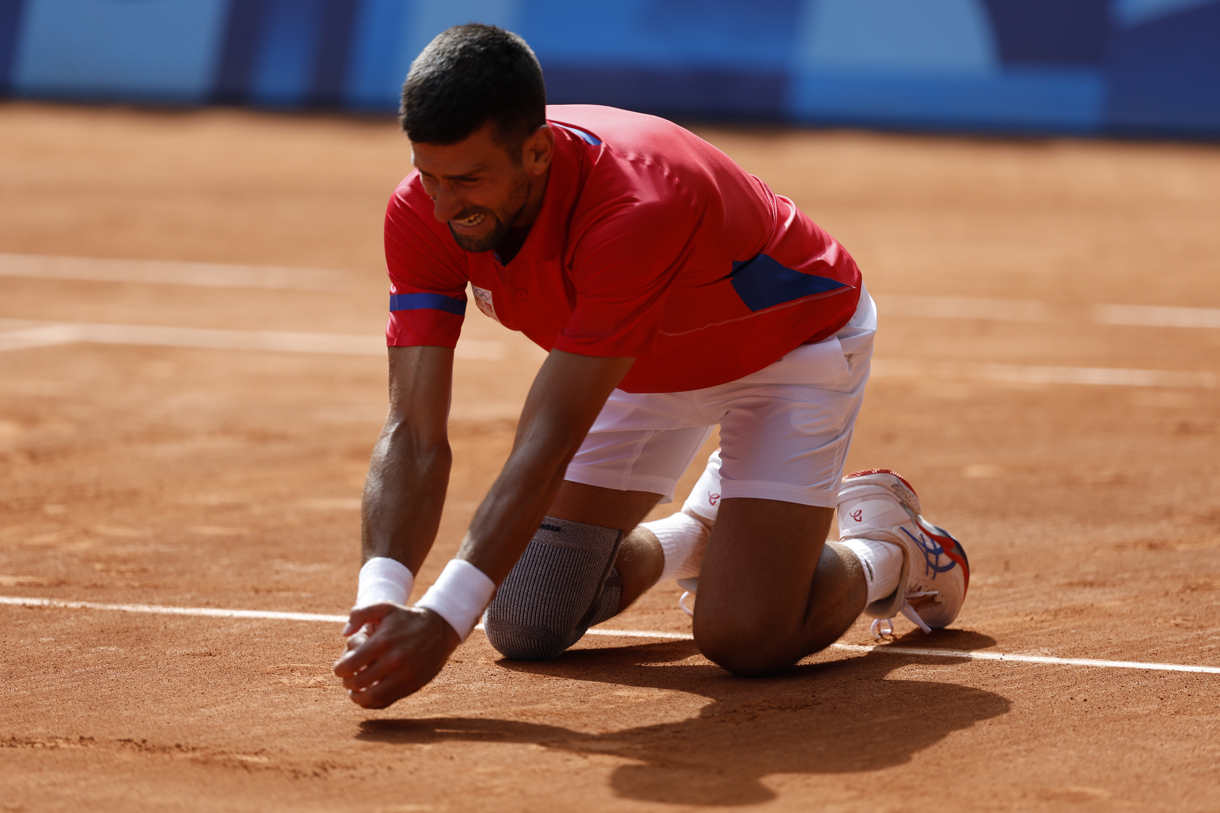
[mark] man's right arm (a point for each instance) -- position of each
(409, 471)
(403, 498)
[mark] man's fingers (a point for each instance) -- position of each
(358, 638)
(372, 614)
(359, 657)
(385, 661)
(353, 661)
(399, 658)
(378, 697)
(389, 663)
(394, 684)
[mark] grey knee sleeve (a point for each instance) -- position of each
(563, 584)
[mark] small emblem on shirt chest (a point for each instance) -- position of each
(482, 298)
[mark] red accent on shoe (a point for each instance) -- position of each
(953, 549)
(956, 555)
(867, 472)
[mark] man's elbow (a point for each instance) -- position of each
(406, 441)
(556, 440)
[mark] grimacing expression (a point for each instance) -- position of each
(476, 187)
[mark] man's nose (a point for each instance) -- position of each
(445, 204)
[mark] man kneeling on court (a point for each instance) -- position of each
(674, 293)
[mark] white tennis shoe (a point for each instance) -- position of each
(879, 504)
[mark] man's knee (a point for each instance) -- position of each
(563, 583)
(512, 633)
(524, 642)
(759, 640)
(747, 645)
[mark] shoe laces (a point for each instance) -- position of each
(884, 627)
(690, 584)
(682, 604)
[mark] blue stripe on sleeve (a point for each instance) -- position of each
(764, 283)
(439, 302)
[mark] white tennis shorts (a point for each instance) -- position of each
(784, 430)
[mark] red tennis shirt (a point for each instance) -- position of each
(650, 243)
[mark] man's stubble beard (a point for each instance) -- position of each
(480, 244)
(492, 241)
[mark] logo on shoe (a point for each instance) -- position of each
(932, 552)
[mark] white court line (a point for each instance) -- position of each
(212, 612)
(1156, 316)
(1040, 374)
(1022, 310)
(1000, 656)
(161, 272)
(18, 334)
(226, 275)
(963, 307)
(207, 612)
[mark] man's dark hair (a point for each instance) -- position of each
(470, 75)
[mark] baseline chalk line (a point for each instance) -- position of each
(18, 334)
(173, 272)
(23, 334)
(1023, 310)
(235, 275)
(1000, 656)
(206, 612)
(213, 612)
(1042, 374)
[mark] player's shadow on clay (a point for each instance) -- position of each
(840, 716)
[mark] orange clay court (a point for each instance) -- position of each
(192, 374)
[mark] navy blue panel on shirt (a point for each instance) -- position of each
(764, 283)
(438, 302)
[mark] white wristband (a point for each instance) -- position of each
(459, 596)
(384, 580)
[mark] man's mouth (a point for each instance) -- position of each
(468, 223)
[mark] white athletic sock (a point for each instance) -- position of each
(704, 499)
(683, 539)
(881, 563)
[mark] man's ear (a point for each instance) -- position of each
(538, 150)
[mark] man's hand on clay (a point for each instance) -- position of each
(393, 652)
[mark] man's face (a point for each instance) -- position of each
(477, 187)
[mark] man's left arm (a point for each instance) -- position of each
(563, 402)
(566, 397)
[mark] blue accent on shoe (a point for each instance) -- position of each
(415, 302)
(932, 551)
(764, 283)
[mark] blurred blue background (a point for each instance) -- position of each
(1132, 67)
